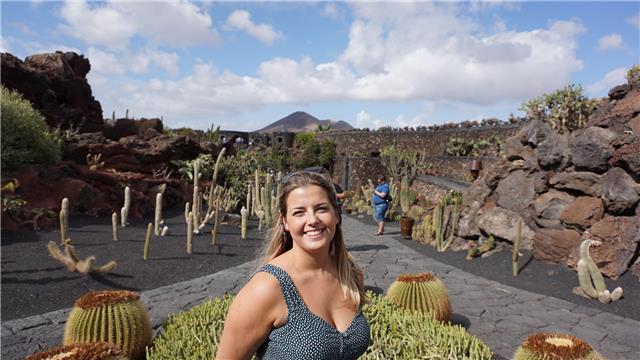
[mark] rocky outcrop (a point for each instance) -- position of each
(567, 188)
(57, 86)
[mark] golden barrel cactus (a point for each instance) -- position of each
(114, 316)
(423, 292)
(542, 346)
(80, 351)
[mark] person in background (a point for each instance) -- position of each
(305, 301)
(380, 203)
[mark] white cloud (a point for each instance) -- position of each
(634, 20)
(5, 44)
(331, 11)
(365, 120)
(611, 79)
(176, 23)
(105, 63)
(241, 20)
(610, 42)
(139, 62)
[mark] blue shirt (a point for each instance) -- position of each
(383, 188)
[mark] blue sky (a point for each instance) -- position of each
(243, 65)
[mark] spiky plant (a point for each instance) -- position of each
(114, 316)
(543, 346)
(423, 292)
(95, 351)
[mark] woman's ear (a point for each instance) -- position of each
(285, 227)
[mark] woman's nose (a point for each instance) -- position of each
(312, 218)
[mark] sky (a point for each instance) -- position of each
(244, 65)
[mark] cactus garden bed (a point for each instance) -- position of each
(535, 276)
(34, 283)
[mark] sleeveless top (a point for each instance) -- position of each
(305, 335)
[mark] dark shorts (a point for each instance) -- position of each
(379, 211)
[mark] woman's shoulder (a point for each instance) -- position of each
(262, 287)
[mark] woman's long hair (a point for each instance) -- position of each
(349, 274)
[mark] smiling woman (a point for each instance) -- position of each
(305, 300)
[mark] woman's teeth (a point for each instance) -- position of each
(314, 232)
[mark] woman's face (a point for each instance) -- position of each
(310, 219)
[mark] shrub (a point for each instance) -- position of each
(566, 110)
(26, 139)
(633, 75)
(396, 334)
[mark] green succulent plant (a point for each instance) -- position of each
(545, 346)
(115, 316)
(423, 292)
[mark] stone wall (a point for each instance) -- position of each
(433, 142)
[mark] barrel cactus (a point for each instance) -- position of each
(542, 346)
(81, 351)
(423, 292)
(114, 316)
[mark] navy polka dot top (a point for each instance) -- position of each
(306, 336)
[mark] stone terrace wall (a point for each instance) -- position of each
(434, 142)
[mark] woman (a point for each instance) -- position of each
(305, 301)
(380, 203)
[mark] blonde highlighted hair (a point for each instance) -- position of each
(350, 275)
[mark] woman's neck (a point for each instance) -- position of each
(305, 262)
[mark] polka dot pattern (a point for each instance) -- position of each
(306, 336)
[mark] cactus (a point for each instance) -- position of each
(543, 346)
(64, 222)
(423, 292)
(94, 350)
(114, 226)
(124, 212)
(407, 196)
(189, 232)
(515, 257)
(187, 210)
(157, 219)
(244, 216)
(249, 200)
(437, 225)
(117, 317)
(147, 242)
(590, 279)
(73, 263)
(195, 204)
(265, 193)
(216, 220)
(165, 231)
(257, 193)
(454, 227)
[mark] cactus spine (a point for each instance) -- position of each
(244, 216)
(114, 225)
(147, 241)
(423, 292)
(94, 350)
(64, 222)
(117, 317)
(515, 257)
(189, 232)
(157, 220)
(124, 212)
(542, 346)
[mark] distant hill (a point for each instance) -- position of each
(300, 121)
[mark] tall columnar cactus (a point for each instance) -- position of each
(407, 196)
(157, 220)
(189, 232)
(265, 192)
(437, 225)
(214, 178)
(257, 192)
(454, 227)
(515, 257)
(64, 222)
(187, 211)
(74, 264)
(195, 204)
(423, 292)
(81, 351)
(147, 242)
(117, 317)
(244, 218)
(395, 198)
(543, 346)
(590, 278)
(124, 212)
(249, 200)
(114, 226)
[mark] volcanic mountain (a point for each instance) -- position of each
(301, 121)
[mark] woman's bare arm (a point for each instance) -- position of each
(251, 317)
